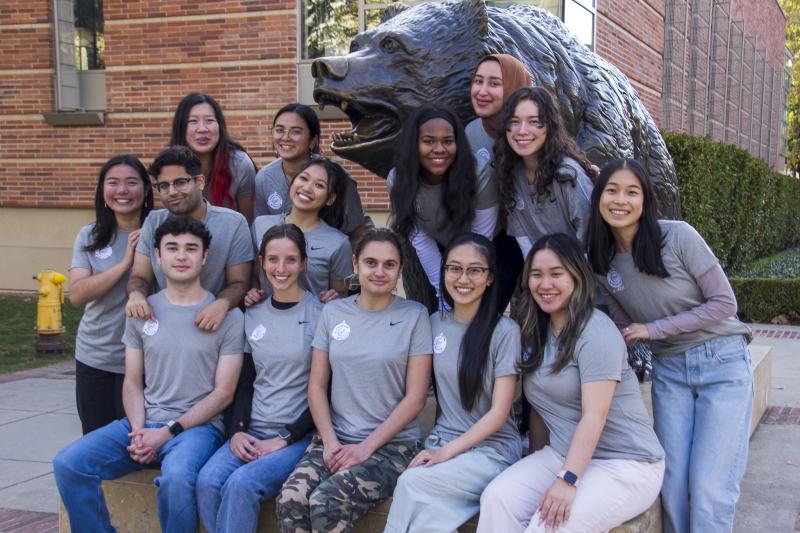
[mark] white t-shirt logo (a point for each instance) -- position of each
(341, 331)
(519, 202)
(150, 327)
(258, 333)
(614, 279)
(103, 253)
(275, 201)
(483, 153)
(439, 343)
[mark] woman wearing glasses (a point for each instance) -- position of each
(543, 179)
(296, 138)
(435, 191)
(199, 124)
(101, 263)
(475, 352)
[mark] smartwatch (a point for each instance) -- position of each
(175, 428)
(284, 434)
(570, 478)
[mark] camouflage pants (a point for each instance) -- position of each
(315, 499)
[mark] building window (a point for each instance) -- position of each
(327, 26)
(79, 76)
(89, 42)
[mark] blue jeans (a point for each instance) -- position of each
(702, 406)
(80, 467)
(230, 491)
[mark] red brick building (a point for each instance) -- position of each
(703, 66)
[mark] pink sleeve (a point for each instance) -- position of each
(720, 304)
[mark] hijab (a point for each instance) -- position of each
(515, 76)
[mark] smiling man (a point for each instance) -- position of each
(178, 379)
(177, 177)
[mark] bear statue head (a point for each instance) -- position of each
(428, 53)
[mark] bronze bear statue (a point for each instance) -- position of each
(428, 52)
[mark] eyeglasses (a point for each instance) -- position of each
(473, 272)
(294, 133)
(180, 184)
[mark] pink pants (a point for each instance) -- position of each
(610, 492)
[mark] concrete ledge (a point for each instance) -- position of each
(131, 503)
(761, 360)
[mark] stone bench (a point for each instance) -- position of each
(131, 500)
(131, 503)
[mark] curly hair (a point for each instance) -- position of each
(557, 146)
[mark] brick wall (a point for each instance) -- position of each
(241, 51)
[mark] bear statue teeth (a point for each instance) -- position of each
(343, 106)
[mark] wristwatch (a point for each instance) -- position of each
(284, 434)
(570, 478)
(175, 428)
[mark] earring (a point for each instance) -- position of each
(105, 205)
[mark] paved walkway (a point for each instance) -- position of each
(38, 417)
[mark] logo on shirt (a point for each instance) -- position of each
(439, 343)
(519, 202)
(258, 333)
(614, 279)
(150, 327)
(341, 331)
(103, 253)
(483, 153)
(315, 247)
(391, 323)
(275, 201)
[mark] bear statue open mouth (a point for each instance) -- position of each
(373, 122)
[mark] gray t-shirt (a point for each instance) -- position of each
(280, 341)
(230, 245)
(272, 197)
(98, 342)
(368, 353)
(432, 218)
(646, 298)
(564, 209)
(329, 254)
(481, 143)
(504, 352)
(600, 355)
(243, 173)
(180, 359)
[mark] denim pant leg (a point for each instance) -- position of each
(210, 481)
(723, 411)
(181, 460)
(673, 415)
(253, 483)
(80, 467)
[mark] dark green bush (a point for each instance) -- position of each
(742, 209)
(762, 299)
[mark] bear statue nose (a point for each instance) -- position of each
(334, 68)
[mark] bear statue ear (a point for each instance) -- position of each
(476, 14)
(392, 11)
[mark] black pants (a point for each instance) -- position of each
(99, 396)
(509, 267)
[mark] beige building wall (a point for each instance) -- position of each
(33, 239)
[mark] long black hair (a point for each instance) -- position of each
(459, 182)
(105, 226)
(308, 116)
(648, 242)
(220, 176)
(474, 351)
(557, 145)
(333, 214)
(534, 323)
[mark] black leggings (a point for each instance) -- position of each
(509, 267)
(99, 396)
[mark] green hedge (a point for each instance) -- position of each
(761, 300)
(742, 208)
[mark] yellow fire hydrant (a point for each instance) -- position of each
(49, 325)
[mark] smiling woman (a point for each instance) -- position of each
(434, 189)
(543, 179)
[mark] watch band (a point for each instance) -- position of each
(175, 427)
(285, 434)
(570, 478)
